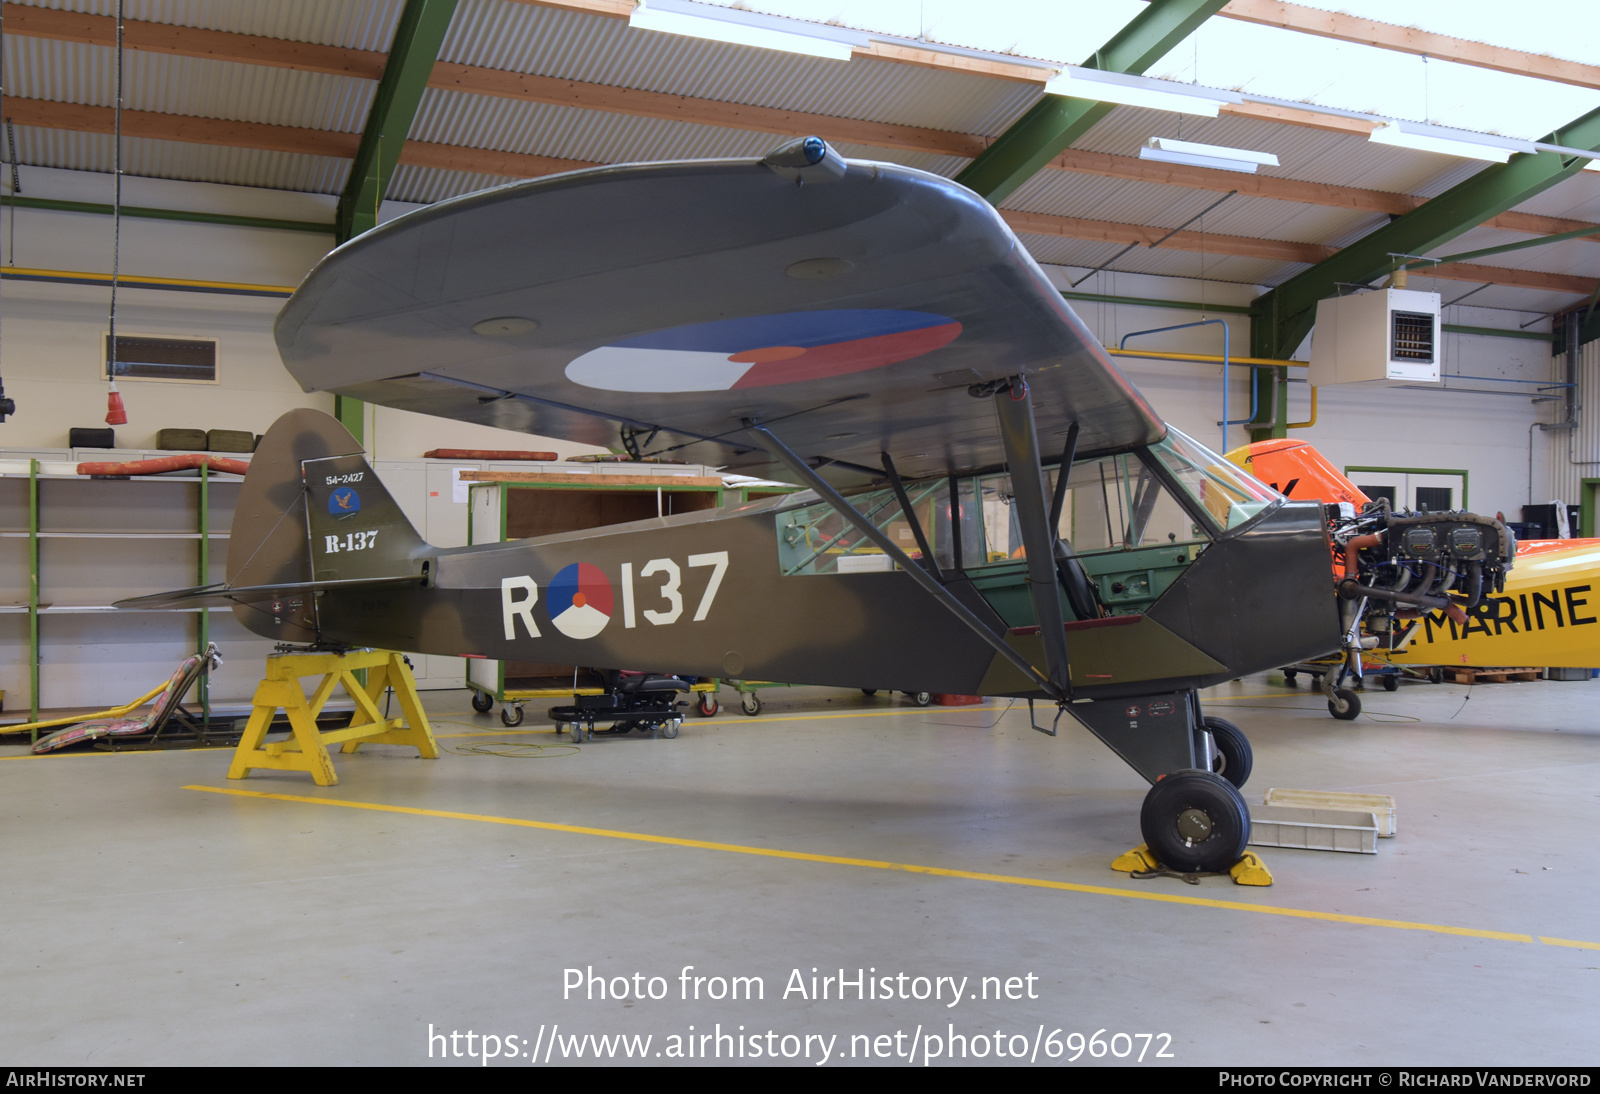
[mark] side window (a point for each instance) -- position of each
(814, 539)
(1112, 503)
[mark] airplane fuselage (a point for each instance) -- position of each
(705, 594)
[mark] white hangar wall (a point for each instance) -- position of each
(1357, 425)
(51, 334)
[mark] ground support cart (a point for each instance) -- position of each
(644, 701)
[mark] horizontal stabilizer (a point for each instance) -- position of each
(224, 595)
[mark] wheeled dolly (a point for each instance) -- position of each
(631, 700)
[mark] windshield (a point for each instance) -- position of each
(1224, 491)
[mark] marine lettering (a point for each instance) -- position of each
(1573, 603)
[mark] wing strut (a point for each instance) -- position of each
(911, 516)
(1014, 404)
(794, 463)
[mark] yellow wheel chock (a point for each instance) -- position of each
(1141, 861)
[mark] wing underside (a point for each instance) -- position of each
(850, 313)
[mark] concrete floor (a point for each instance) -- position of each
(152, 922)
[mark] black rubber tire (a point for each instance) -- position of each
(750, 703)
(1345, 705)
(482, 702)
(1436, 676)
(1391, 682)
(511, 716)
(1184, 801)
(921, 698)
(1234, 758)
(1289, 676)
(869, 692)
(706, 706)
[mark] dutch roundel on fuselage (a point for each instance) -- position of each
(580, 600)
(762, 350)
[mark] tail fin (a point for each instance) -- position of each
(309, 475)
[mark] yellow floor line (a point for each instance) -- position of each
(1570, 943)
(936, 871)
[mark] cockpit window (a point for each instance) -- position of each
(1224, 491)
(1112, 503)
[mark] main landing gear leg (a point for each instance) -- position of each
(1194, 820)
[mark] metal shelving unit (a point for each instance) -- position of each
(109, 566)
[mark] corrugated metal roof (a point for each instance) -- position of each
(1129, 201)
(180, 160)
(356, 24)
(526, 37)
(568, 45)
(1577, 197)
(1316, 154)
(1160, 261)
(41, 68)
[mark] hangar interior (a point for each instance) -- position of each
(1221, 169)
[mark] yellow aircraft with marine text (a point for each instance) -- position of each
(1548, 614)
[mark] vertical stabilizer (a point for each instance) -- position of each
(312, 510)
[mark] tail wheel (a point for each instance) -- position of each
(1344, 705)
(750, 703)
(1195, 822)
(482, 702)
(1233, 759)
(921, 698)
(706, 705)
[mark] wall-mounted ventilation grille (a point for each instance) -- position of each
(143, 358)
(1413, 337)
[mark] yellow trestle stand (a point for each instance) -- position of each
(307, 748)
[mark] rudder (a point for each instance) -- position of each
(309, 475)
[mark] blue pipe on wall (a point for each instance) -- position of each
(1225, 423)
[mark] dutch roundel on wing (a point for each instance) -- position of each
(580, 600)
(762, 350)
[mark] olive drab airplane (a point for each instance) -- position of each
(1545, 614)
(992, 508)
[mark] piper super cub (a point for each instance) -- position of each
(992, 507)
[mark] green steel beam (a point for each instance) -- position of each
(352, 415)
(1285, 315)
(1055, 121)
(231, 219)
(1498, 332)
(1153, 302)
(417, 39)
(1421, 265)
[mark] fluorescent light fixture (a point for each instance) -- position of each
(1118, 87)
(734, 26)
(1220, 157)
(1449, 142)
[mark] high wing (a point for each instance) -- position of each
(849, 306)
